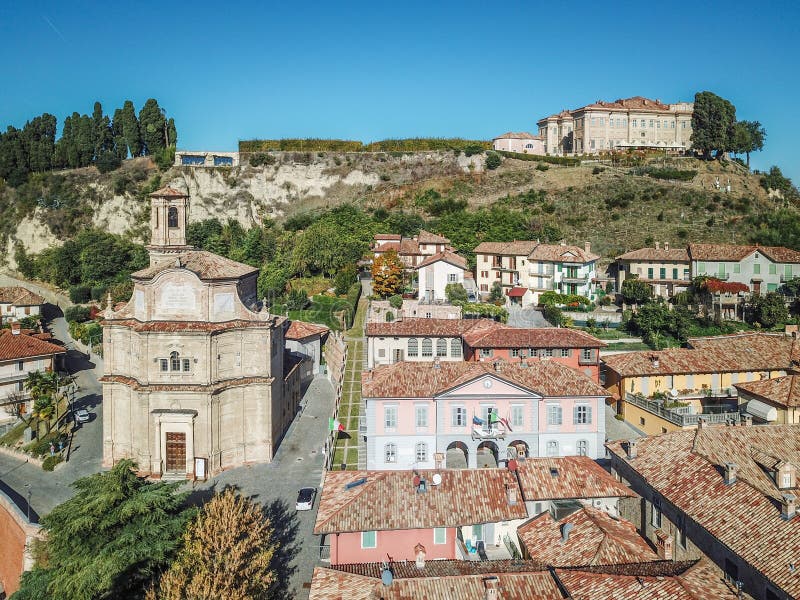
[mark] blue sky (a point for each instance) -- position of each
(370, 70)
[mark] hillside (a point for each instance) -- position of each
(614, 208)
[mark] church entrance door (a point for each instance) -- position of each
(176, 451)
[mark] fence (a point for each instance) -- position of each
(335, 353)
(679, 418)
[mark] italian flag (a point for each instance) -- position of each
(335, 425)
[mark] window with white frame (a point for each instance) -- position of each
(517, 415)
(552, 448)
(485, 352)
(427, 347)
(455, 348)
(390, 453)
(587, 354)
(439, 535)
(554, 415)
(369, 539)
(564, 352)
(421, 416)
(421, 452)
(486, 410)
(459, 416)
(548, 352)
(655, 517)
(441, 347)
(413, 347)
(582, 414)
(390, 417)
(452, 278)
(583, 447)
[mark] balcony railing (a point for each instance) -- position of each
(681, 419)
(545, 273)
(785, 277)
(20, 376)
(575, 279)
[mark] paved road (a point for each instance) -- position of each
(298, 463)
(526, 317)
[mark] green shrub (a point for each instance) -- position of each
(107, 161)
(77, 314)
(597, 170)
(553, 314)
(80, 293)
(493, 160)
(99, 292)
(542, 167)
(49, 463)
(553, 160)
(671, 174)
(389, 316)
(297, 299)
(396, 301)
(385, 177)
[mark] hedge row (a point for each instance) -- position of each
(555, 160)
(353, 295)
(399, 145)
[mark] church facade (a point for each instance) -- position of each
(194, 378)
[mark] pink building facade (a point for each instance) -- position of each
(399, 544)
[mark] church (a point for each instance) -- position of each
(195, 378)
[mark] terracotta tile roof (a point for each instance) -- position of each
(639, 103)
(334, 584)
(517, 292)
(387, 500)
(299, 330)
(522, 135)
(23, 345)
(443, 568)
(429, 327)
(596, 538)
(385, 247)
(567, 478)
(409, 247)
(184, 326)
(535, 337)
(561, 253)
(169, 192)
(19, 296)
(516, 248)
(446, 256)
(731, 252)
(699, 582)
(214, 388)
(426, 237)
(657, 255)
(387, 236)
(206, 265)
(427, 380)
(721, 354)
(686, 468)
(784, 391)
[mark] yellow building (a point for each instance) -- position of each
(773, 400)
(666, 390)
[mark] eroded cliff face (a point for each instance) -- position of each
(293, 182)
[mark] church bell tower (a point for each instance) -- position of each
(169, 217)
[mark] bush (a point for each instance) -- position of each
(107, 162)
(389, 316)
(553, 160)
(553, 314)
(99, 292)
(297, 299)
(80, 294)
(77, 314)
(261, 158)
(597, 170)
(671, 174)
(542, 167)
(472, 149)
(493, 160)
(49, 463)
(396, 301)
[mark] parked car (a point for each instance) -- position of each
(305, 499)
(82, 416)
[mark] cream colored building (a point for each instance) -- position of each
(193, 364)
(635, 122)
(666, 269)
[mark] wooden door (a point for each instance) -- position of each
(176, 451)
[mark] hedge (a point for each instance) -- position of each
(80, 294)
(353, 295)
(567, 161)
(49, 463)
(77, 314)
(398, 145)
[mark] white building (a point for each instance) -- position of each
(521, 143)
(18, 302)
(439, 270)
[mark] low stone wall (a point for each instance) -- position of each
(16, 537)
(6, 451)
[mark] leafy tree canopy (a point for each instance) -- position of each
(713, 124)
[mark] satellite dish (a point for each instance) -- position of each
(674, 393)
(436, 479)
(387, 577)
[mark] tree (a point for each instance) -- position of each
(344, 278)
(713, 124)
(387, 274)
(130, 129)
(109, 539)
(768, 310)
(775, 180)
(635, 291)
(227, 553)
(496, 293)
(152, 126)
(748, 136)
(493, 160)
(103, 138)
(272, 282)
(455, 292)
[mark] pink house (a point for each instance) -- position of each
(521, 143)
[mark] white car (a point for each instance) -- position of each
(305, 499)
(82, 416)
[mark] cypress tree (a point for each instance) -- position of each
(130, 129)
(152, 126)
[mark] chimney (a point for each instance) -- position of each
(368, 375)
(701, 423)
(658, 245)
(747, 420)
(666, 245)
(437, 363)
(730, 472)
(587, 247)
(632, 452)
(788, 508)
(419, 553)
(565, 529)
(654, 360)
(511, 494)
(16, 328)
(491, 586)
(498, 367)
(663, 544)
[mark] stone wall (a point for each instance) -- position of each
(16, 535)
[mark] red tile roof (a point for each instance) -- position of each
(23, 345)
(534, 337)
(299, 330)
(426, 237)
(429, 327)
(638, 103)
(517, 292)
(522, 135)
(409, 247)
(446, 256)
(206, 265)
(567, 478)
(784, 391)
(657, 255)
(700, 582)
(19, 296)
(387, 236)
(561, 253)
(427, 380)
(596, 538)
(732, 252)
(516, 248)
(721, 354)
(388, 500)
(169, 192)
(687, 467)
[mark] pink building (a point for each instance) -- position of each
(521, 143)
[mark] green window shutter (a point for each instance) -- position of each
(559, 268)
(722, 269)
(650, 273)
(772, 287)
(663, 273)
(675, 273)
(701, 268)
(773, 269)
(756, 269)
(737, 268)
(787, 270)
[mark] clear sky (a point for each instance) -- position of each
(231, 70)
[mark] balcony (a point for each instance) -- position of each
(574, 278)
(681, 416)
(785, 278)
(19, 376)
(545, 273)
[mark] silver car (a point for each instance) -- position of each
(305, 499)
(82, 416)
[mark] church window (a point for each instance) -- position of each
(175, 361)
(172, 217)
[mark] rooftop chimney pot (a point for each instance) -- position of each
(658, 245)
(491, 588)
(788, 507)
(730, 472)
(666, 245)
(747, 420)
(16, 328)
(632, 451)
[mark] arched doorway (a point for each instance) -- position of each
(518, 450)
(487, 454)
(457, 456)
